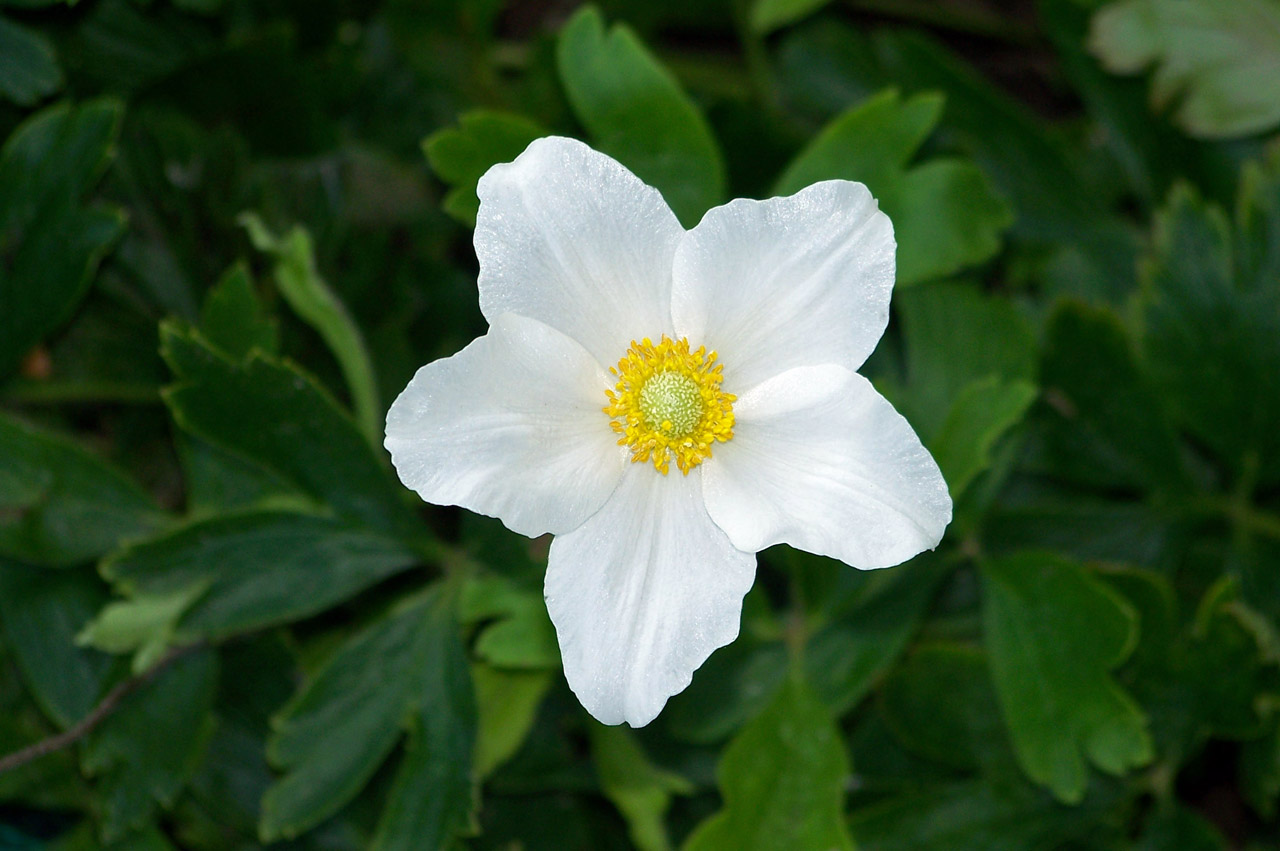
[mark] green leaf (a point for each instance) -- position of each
(41, 612)
(232, 318)
(49, 243)
(1026, 160)
(1212, 321)
(1260, 771)
(180, 245)
(29, 69)
(1252, 562)
(1215, 62)
(507, 702)
(1176, 826)
(312, 299)
(1053, 633)
(640, 790)
(82, 838)
(123, 48)
(940, 705)
(1226, 630)
(980, 414)
(1104, 404)
(61, 505)
(1079, 526)
(143, 625)
(520, 634)
(970, 815)
(769, 15)
(226, 790)
(241, 572)
(146, 750)
(276, 416)
(77, 140)
(219, 481)
(343, 723)
(1153, 600)
(782, 779)
(863, 639)
(824, 66)
(956, 335)
(637, 113)
(463, 154)
(433, 797)
(1152, 153)
(872, 142)
(52, 782)
(1177, 670)
(945, 215)
(884, 767)
(735, 684)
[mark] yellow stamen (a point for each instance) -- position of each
(668, 403)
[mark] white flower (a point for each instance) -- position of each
(667, 403)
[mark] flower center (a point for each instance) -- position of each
(668, 403)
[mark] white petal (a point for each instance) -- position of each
(642, 594)
(823, 462)
(796, 281)
(511, 427)
(569, 237)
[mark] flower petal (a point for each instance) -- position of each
(569, 237)
(511, 427)
(823, 462)
(642, 594)
(796, 281)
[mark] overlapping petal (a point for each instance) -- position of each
(642, 594)
(510, 427)
(569, 237)
(823, 462)
(788, 282)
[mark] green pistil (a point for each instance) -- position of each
(671, 403)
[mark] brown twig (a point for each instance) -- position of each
(86, 725)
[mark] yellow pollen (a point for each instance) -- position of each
(668, 403)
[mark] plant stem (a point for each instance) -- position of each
(756, 55)
(96, 716)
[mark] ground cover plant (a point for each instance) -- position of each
(232, 230)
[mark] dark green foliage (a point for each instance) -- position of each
(1187, 40)
(232, 319)
(223, 251)
(29, 70)
(1053, 635)
(276, 417)
(42, 612)
(462, 155)
(945, 214)
(782, 779)
(50, 241)
(332, 736)
(1106, 404)
(1205, 276)
(238, 572)
(634, 110)
(61, 504)
(170, 714)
